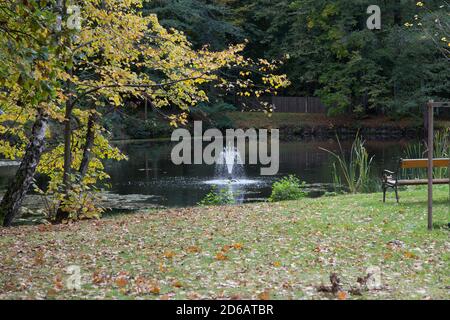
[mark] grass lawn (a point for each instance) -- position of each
(257, 251)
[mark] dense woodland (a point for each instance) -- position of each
(332, 54)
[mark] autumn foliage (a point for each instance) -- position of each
(74, 76)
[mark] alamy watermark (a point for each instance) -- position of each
(74, 19)
(374, 278)
(73, 281)
(374, 21)
(247, 147)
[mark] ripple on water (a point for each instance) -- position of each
(220, 182)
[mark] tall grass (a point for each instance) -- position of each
(353, 172)
(420, 151)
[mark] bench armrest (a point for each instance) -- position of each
(387, 174)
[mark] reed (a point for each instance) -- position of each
(353, 172)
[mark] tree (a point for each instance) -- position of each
(31, 62)
(119, 54)
(433, 20)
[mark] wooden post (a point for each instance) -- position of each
(430, 164)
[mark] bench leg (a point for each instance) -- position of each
(384, 194)
(396, 194)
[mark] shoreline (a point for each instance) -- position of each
(300, 126)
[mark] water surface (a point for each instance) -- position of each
(150, 171)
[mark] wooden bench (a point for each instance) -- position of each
(390, 179)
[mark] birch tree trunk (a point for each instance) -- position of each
(61, 213)
(13, 198)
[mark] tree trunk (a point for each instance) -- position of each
(17, 190)
(67, 147)
(61, 214)
(90, 138)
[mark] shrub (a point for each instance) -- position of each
(217, 198)
(288, 188)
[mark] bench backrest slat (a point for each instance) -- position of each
(423, 163)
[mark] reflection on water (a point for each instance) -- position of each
(150, 171)
(7, 172)
(224, 182)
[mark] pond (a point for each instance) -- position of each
(149, 171)
(151, 179)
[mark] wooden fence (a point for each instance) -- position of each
(298, 104)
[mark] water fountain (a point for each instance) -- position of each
(230, 169)
(230, 164)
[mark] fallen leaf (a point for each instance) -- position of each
(409, 255)
(193, 249)
(335, 285)
(264, 295)
(169, 254)
(98, 278)
(58, 283)
(121, 282)
(342, 295)
(39, 258)
(387, 256)
(51, 293)
(220, 256)
(44, 228)
(238, 246)
(277, 264)
(155, 290)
